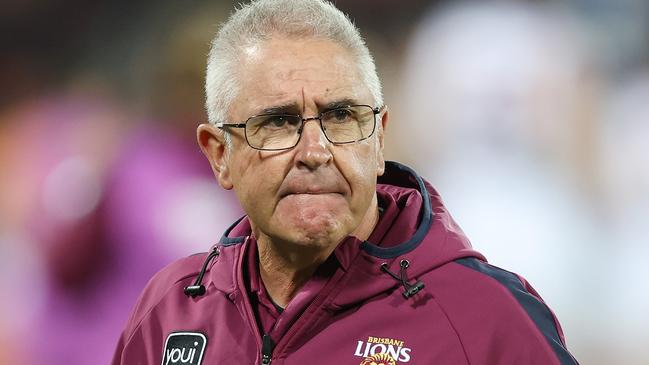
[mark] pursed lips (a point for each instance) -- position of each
(321, 183)
(308, 192)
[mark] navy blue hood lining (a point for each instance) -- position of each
(406, 173)
(396, 171)
(228, 241)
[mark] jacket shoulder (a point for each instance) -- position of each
(498, 315)
(168, 278)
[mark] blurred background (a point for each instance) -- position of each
(530, 117)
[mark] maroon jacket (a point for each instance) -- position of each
(413, 293)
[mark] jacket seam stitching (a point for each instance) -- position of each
(457, 334)
(538, 333)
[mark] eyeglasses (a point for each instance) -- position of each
(275, 132)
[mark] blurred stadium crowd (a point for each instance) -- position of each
(530, 117)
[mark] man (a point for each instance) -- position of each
(329, 265)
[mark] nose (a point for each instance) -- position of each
(313, 149)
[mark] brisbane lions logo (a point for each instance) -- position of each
(379, 359)
(383, 351)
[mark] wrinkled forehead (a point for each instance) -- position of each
(309, 73)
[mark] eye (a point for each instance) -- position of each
(340, 115)
(279, 122)
(276, 121)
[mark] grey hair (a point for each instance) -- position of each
(259, 20)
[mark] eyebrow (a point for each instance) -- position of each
(293, 109)
(340, 103)
(288, 108)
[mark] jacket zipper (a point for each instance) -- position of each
(266, 349)
(318, 301)
(267, 345)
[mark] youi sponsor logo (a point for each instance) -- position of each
(184, 348)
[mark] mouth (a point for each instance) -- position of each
(308, 192)
(323, 183)
(307, 189)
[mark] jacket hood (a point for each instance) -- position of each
(415, 226)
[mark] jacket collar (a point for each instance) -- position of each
(420, 218)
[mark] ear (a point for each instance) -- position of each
(380, 160)
(212, 143)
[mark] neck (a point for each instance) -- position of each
(286, 267)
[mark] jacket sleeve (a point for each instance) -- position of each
(500, 319)
(117, 356)
(136, 349)
(140, 343)
(126, 353)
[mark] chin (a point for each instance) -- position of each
(316, 221)
(317, 233)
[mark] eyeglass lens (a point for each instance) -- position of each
(342, 125)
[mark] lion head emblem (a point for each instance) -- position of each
(379, 359)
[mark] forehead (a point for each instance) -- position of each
(305, 72)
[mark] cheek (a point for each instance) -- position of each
(358, 165)
(256, 179)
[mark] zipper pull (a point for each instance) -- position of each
(266, 349)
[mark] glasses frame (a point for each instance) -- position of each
(375, 111)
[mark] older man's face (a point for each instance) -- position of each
(315, 193)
